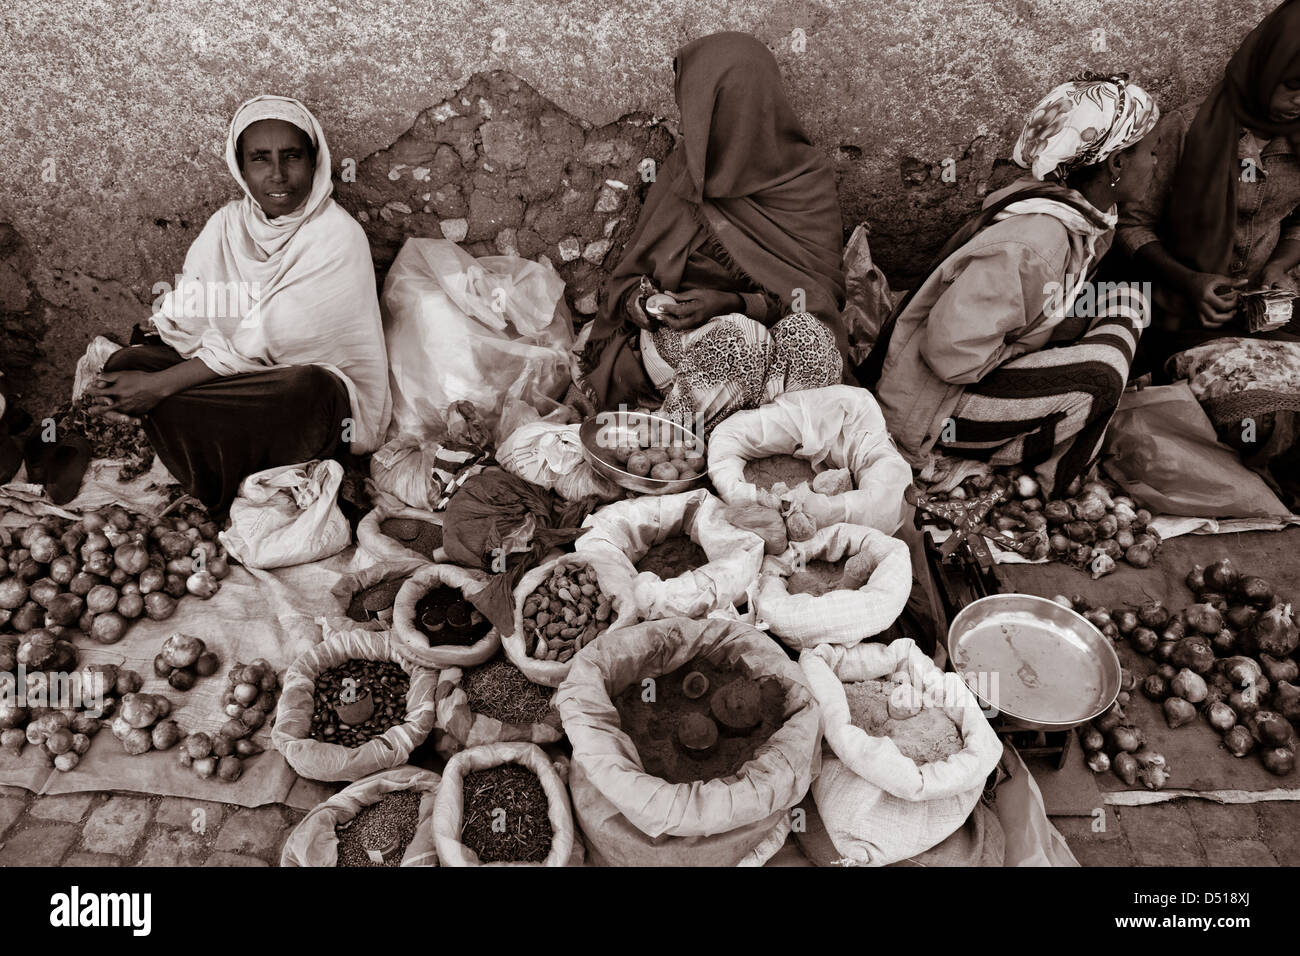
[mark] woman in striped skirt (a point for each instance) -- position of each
(1008, 352)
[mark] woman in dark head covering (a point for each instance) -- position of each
(742, 222)
(1224, 211)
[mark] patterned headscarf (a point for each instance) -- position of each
(1082, 123)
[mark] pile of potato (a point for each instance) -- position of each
(105, 570)
(564, 614)
(670, 460)
(1232, 658)
(249, 702)
(143, 723)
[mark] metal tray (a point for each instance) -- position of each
(1041, 665)
(593, 429)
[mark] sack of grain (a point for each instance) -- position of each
(631, 818)
(625, 532)
(551, 673)
(459, 725)
(804, 620)
(314, 842)
(878, 805)
(448, 811)
(319, 760)
(413, 644)
(838, 426)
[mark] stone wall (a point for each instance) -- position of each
(112, 132)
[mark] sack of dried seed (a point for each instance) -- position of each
(865, 598)
(325, 687)
(491, 702)
(406, 537)
(367, 596)
(627, 533)
(836, 427)
(414, 644)
(562, 606)
(317, 840)
(628, 816)
(505, 804)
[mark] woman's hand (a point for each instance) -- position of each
(127, 393)
(698, 306)
(1275, 275)
(1214, 296)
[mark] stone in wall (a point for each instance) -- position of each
(503, 170)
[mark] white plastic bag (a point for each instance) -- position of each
(287, 515)
(878, 805)
(419, 473)
(836, 617)
(91, 364)
(458, 328)
(550, 455)
(624, 532)
(838, 426)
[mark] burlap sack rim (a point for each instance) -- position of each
(698, 805)
(449, 808)
(297, 703)
(411, 642)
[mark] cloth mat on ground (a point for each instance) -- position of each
(255, 614)
(1200, 766)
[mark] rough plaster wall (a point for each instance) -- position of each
(128, 100)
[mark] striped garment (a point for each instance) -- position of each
(1049, 409)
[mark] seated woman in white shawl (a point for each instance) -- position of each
(271, 351)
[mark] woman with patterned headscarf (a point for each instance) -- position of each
(272, 348)
(742, 226)
(1007, 352)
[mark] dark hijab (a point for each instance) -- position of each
(1201, 215)
(745, 167)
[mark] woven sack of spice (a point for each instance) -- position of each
(625, 532)
(374, 591)
(374, 542)
(838, 616)
(413, 644)
(838, 426)
(459, 725)
(314, 842)
(449, 810)
(632, 818)
(880, 806)
(320, 760)
(551, 673)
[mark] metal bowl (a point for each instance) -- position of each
(1041, 665)
(598, 434)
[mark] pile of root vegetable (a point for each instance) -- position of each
(97, 574)
(1094, 527)
(1231, 658)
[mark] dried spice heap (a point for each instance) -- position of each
(369, 603)
(125, 440)
(500, 690)
(672, 557)
(388, 685)
(395, 817)
(778, 469)
(523, 834)
(656, 726)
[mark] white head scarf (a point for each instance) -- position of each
(259, 293)
(269, 236)
(1082, 123)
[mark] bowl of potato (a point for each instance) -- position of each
(643, 452)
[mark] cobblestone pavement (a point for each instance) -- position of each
(130, 829)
